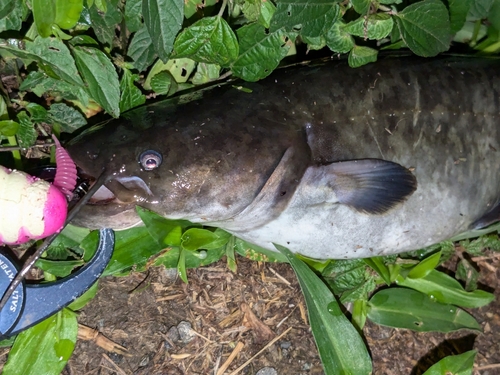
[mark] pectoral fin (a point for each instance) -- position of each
(371, 186)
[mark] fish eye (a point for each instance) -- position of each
(150, 160)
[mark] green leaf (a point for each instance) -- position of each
(205, 73)
(267, 10)
(230, 255)
(13, 13)
(133, 15)
(141, 49)
(44, 15)
(337, 39)
(192, 259)
(361, 6)
(359, 313)
(454, 365)
(343, 275)
(100, 76)
(164, 231)
(445, 289)
(26, 135)
(340, 347)
(424, 267)
(425, 27)
(480, 8)
(8, 128)
(58, 268)
(208, 40)
(467, 273)
(458, 13)
(377, 264)
(260, 52)
(477, 246)
(406, 308)
(44, 348)
(311, 18)
(133, 248)
(197, 238)
(68, 118)
(52, 57)
(161, 83)
(361, 55)
(181, 265)
(163, 19)
(68, 13)
(376, 26)
(104, 23)
(131, 96)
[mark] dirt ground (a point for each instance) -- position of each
(255, 317)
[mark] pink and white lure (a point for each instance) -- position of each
(31, 208)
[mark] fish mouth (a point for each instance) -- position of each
(113, 204)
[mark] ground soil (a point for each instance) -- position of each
(241, 314)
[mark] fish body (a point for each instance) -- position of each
(329, 161)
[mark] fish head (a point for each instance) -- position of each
(200, 170)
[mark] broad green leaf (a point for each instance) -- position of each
(26, 135)
(251, 10)
(377, 264)
(210, 40)
(181, 265)
(170, 258)
(477, 246)
(406, 308)
(205, 73)
(133, 15)
(343, 275)
(196, 238)
(163, 19)
(4, 113)
(361, 6)
(44, 348)
(52, 57)
(104, 23)
(376, 26)
(68, 118)
(164, 231)
(359, 312)
(458, 12)
(461, 364)
(267, 11)
(361, 55)
(44, 15)
(133, 248)
(423, 268)
(260, 52)
(340, 347)
(141, 50)
(130, 96)
(13, 13)
(230, 255)
(85, 298)
(425, 27)
(8, 128)
(37, 112)
(100, 76)
(59, 268)
(162, 82)
(337, 39)
(314, 44)
(479, 9)
(445, 289)
(494, 15)
(311, 18)
(68, 13)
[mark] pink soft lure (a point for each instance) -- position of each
(65, 178)
(31, 208)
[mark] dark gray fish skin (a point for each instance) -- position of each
(260, 164)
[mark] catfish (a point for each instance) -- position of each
(328, 161)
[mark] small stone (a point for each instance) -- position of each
(185, 332)
(267, 371)
(285, 344)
